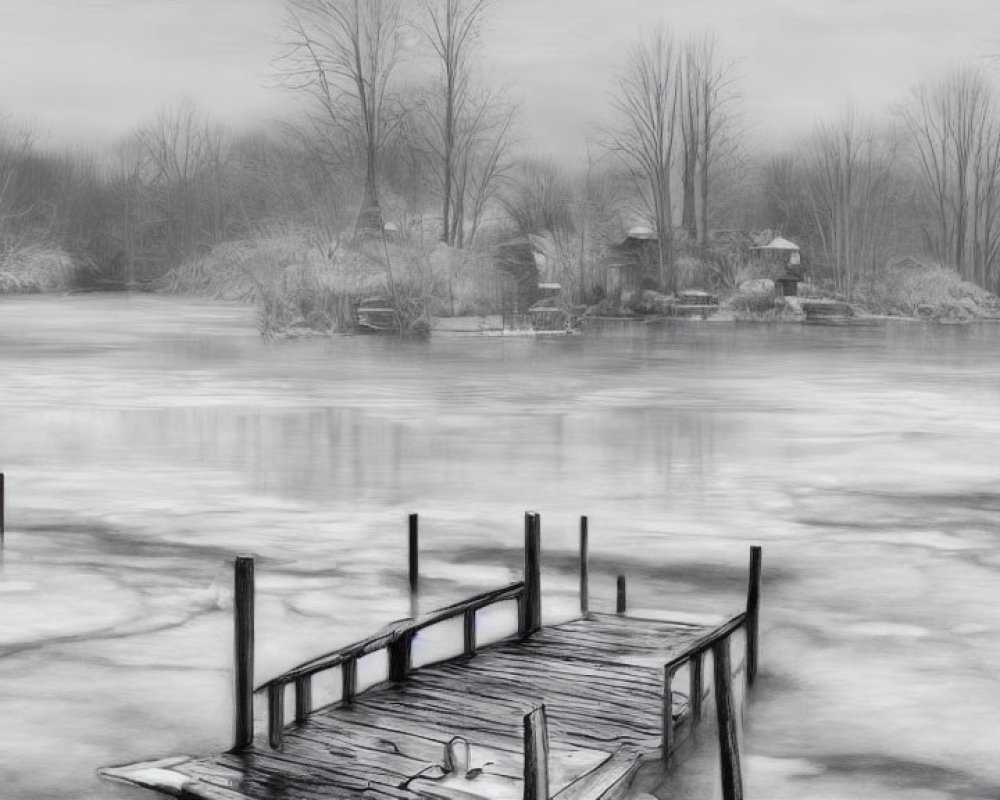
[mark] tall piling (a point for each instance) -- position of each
(414, 571)
(243, 630)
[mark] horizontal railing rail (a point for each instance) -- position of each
(395, 632)
(718, 642)
(699, 647)
(397, 639)
(692, 656)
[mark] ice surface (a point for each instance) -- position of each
(147, 441)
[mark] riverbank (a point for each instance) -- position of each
(302, 288)
(903, 290)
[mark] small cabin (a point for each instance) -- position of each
(784, 260)
(532, 267)
(633, 262)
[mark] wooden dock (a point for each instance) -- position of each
(563, 711)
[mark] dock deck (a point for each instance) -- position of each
(559, 711)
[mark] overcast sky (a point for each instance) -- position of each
(89, 70)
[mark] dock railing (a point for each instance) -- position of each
(396, 639)
(718, 644)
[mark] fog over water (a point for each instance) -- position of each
(146, 441)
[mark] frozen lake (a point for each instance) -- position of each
(147, 441)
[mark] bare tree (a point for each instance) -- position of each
(646, 101)
(450, 28)
(597, 222)
(539, 198)
(342, 54)
(16, 145)
(690, 114)
(182, 164)
(852, 188)
(467, 124)
(707, 129)
(784, 201)
(954, 128)
(714, 82)
(485, 163)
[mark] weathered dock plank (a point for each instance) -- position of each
(567, 710)
(602, 703)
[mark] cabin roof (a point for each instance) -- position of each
(778, 243)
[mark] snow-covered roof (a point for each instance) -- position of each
(778, 243)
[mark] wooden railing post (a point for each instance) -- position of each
(622, 603)
(729, 747)
(400, 657)
(753, 614)
(469, 629)
(303, 697)
(536, 755)
(668, 715)
(275, 714)
(243, 624)
(414, 567)
(349, 680)
(584, 568)
(3, 513)
(531, 607)
(695, 690)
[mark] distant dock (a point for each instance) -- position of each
(567, 711)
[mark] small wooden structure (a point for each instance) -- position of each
(565, 711)
(633, 262)
(786, 259)
(517, 259)
(375, 314)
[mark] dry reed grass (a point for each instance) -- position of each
(37, 268)
(910, 287)
(301, 284)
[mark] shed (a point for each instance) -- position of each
(786, 257)
(633, 261)
(516, 258)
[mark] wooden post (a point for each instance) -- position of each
(303, 698)
(668, 716)
(584, 569)
(400, 657)
(536, 755)
(414, 567)
(729, 746)
(622, 603)
(275, 714)
(531, 616)
(349, 680)
(695, 690)
(3, 503)
(753, 614)
(469, 626)
(243, 607)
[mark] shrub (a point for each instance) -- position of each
(37, 268)
(909, 287)
(752, 302)
(300, 282)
